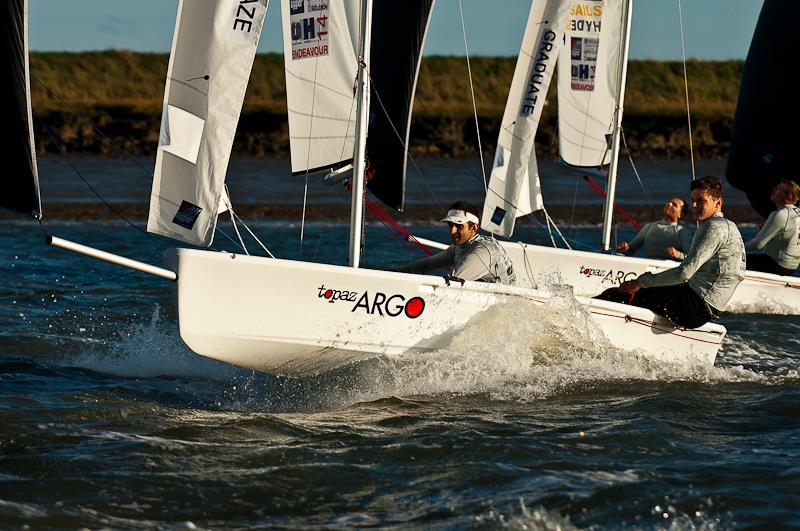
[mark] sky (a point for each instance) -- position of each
(713, 29)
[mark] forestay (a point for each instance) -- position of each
(212, 54)
(514, 187)
(588, 68)
(320, 40)
(21, 182)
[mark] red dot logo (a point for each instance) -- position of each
(414, 307)
(329, 294)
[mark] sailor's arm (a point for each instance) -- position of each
(772, 227)
(638, 240)
(440, 260)
(685, 238)
(709, 239)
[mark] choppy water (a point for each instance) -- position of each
(525, 421)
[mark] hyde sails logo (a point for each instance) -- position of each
(377, 304)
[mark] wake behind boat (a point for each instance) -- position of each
(296, 317)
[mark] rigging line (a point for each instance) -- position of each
(308, 157)
(233, 221)
(86, 182)
(472, 93)
(400, 138)
(686, 89)
(633, 166)
(74, 111)
(252, 234)
(546, 213)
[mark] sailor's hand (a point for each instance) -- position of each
(630, 287)
(622, 247)
(672, 252)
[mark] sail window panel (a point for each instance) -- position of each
(182, 134)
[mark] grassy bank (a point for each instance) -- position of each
(122, 92)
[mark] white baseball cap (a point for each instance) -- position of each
(460, 217)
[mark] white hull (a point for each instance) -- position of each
(297, 318)
(591, 273)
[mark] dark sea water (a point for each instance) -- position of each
(108, 421)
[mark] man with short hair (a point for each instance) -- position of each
(662, 239)
(472, 256)
(780, 235)
(698, 289)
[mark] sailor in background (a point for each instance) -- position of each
(780, 236)
(665, 238)
(698, 289)
(472, 256)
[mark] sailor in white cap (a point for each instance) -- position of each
(472, 256)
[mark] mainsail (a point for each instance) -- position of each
(588, 67)
(393, 69)
(17, 148)
(510, 195)
(320, 39)
(764, 136)
(212, 54)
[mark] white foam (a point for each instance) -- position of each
(525, 352)
(149, 349)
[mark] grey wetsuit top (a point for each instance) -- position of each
(657, 236)
(780, 237)
(713, 267)
(481, 258)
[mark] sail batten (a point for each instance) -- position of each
(17, 150)
(213, 49)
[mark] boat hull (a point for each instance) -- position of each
(592, 273)
(299, 318)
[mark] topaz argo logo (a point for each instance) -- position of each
(390, 305)
(332, 295)
(379, 303)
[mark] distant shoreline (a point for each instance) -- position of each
(121, 93)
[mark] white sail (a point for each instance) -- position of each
(212, 54)
(510, 192)
(320, 39)
(588, 68)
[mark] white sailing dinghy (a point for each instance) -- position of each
(591, 92)
(293, 317)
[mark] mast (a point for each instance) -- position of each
(359, 151)
(611, 185)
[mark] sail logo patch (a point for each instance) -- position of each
(498, 215)
(309, 23)
(187, 215)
